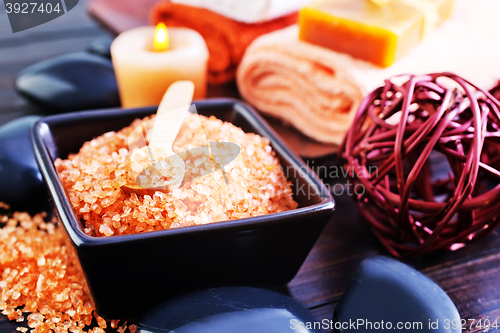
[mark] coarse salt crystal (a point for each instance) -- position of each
(105, 229)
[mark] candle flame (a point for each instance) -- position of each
(161, 38)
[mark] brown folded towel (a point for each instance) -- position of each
(226, 39)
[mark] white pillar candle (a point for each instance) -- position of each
(143, 74)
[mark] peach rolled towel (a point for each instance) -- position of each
(310, 87)
(318, 91)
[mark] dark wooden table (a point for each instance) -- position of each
(470, 276)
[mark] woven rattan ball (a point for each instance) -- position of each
(426, 151)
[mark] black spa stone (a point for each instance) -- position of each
(384, 290)
(101, 46)
(229, 310)
(20, 178)
(71, 82)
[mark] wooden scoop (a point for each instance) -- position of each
(172, 111)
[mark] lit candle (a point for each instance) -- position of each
(147, 60)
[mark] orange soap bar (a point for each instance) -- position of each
(379, 34)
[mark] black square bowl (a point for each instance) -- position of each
(128, 274)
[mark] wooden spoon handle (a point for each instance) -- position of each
(171, 113)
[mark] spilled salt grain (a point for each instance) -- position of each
(50, 286)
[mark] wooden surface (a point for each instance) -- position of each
(470, 275)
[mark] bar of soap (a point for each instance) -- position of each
(380, 34)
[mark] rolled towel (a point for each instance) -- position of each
(226, 39)
(318, 91)
(248, 11)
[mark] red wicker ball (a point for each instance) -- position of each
(426, 152)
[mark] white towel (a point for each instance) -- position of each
(248, 11)
(467, 45)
